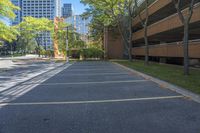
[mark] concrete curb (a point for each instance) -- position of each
(182, 91)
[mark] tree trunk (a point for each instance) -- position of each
(38, 49)
(105, 43)
(185, 44)
(146, 45)
(130, 41)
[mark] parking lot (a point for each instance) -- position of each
(98, 97)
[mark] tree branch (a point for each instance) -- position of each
(177, 6)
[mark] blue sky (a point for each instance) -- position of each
(78, 7)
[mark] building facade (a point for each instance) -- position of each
(67, 10)
(79, 24)
(39, 9)
(165, 33)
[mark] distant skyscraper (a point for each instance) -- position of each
(80, 25)
(41, 8)
(38, 9)
(67, 10)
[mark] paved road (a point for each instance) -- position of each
(24, 70)
(99, 97)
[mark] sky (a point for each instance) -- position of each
(77, 6)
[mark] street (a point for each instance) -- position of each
(95, 97)
(22, 69)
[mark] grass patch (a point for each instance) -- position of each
(170, 73)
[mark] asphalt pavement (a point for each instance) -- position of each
(97, 97)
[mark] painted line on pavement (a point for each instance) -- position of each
(106, 69)
(101, 82)
(93, 74)
(22, 88)
(91, 102)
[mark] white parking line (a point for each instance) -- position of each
(96, 69)
(21, 89)
(100, 82)
(94, 74)
(91, 102)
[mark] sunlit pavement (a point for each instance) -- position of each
(10, 62)
(23, 70)
(95, 97)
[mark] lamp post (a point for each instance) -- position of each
(67, 45)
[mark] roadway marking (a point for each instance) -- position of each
(22, 88)
(106, 69)
(91, 102)
(81, 83)
(93, 74)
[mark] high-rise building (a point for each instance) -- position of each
(67, 10)
(38, 9)
(79, 24)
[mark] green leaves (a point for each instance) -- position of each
(7, 33)
(6, 9)
(30, 27)
(61, 36)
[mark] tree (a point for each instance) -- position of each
(185, 20)
(65, 32)
(115, 13)
(98, 25)
(144, 24)
(60, 35)
(6, 9)
(32, 28)
(7, 33)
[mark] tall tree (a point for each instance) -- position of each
(116, 13)
(32, 28)
(185, 20)
(144, 23)
(63, 32)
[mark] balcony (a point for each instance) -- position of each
(170, 23)
(169, 50)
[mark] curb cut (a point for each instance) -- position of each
(182, 91)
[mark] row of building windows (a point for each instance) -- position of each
(41, 12)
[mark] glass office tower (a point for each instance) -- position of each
(67, 10)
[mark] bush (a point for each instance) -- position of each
(91, 53)
(49, 53)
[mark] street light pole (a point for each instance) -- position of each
(11, 51)
(67, 47)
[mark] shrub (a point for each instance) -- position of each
(91, 53)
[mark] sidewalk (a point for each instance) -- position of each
(10, 62)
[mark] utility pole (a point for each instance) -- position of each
(105, 42)
(11, 48)
(67, 47)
